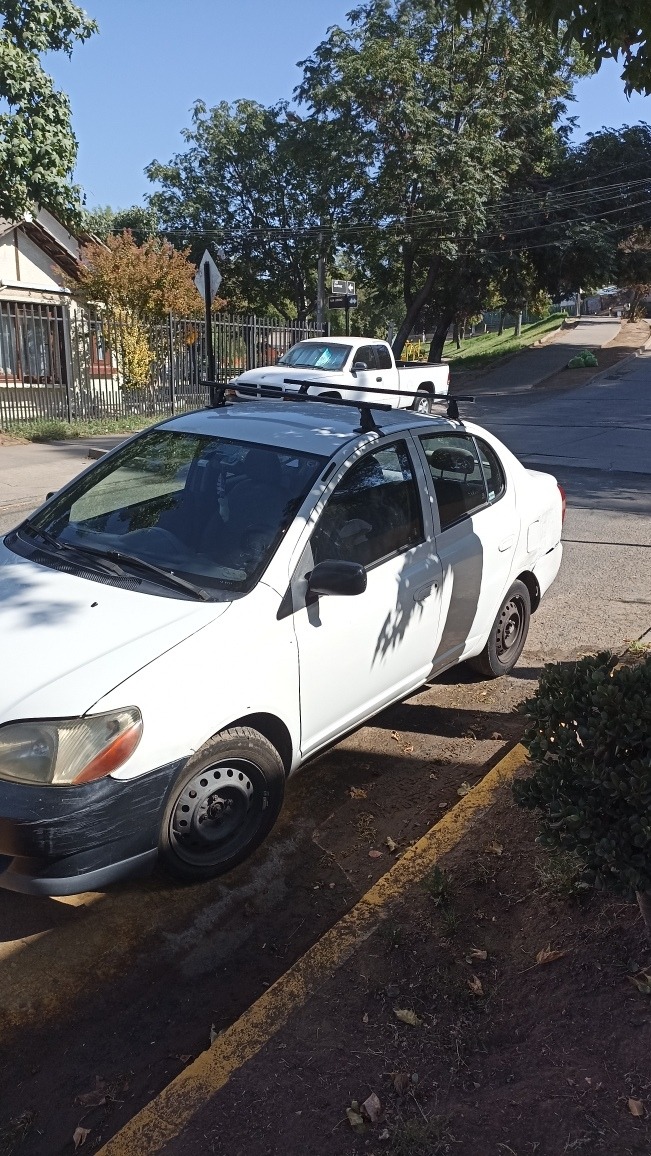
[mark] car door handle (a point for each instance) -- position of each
(421, 594)
(506, 543)
(378, 379)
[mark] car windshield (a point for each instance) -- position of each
(316, 355)
(207, 510)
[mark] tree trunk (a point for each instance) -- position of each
(518, 324)
(438, 339)
(455, 335)
(644, 903)
(500, 328)
(413, 310)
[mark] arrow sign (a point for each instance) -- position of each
(214, 276)
(341, 287)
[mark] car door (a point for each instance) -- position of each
(358, 653)
(366, 379)
(476, 539)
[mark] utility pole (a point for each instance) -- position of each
(321, 284)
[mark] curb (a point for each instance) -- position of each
(164, 1117)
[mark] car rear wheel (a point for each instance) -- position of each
(508, 635)
(422, 403)
(222, 806)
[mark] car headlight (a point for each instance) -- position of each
(68, 751)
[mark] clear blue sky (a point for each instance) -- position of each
(132, 86)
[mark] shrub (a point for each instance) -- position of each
(589, 740)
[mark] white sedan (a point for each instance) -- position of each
(216, 601)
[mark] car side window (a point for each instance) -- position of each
(457, 476)
(366, 353)
(375, 511)
(493, 472)
(383, 357)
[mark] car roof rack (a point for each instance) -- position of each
(365, 407)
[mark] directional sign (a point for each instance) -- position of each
(343, 301)
(215, 276)
(345, 287)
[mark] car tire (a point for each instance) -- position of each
(508, 634)
(222, 806)
(422, 403)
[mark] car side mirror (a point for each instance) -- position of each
(337, 578)
(359, 365)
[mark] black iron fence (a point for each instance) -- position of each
(62, 362)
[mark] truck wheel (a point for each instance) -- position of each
(422, 403)
(508, 634)
(222, 806)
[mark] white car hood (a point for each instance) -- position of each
(66, 641)
(277, 373)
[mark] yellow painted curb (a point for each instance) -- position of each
(165, 1116)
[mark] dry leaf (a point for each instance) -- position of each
(393, 846)
(357, 793)
(495, 848)
(475, 985)
(642, 981)
(365, 1018)
(185, 1059)
(80, 1136)
(400, 1081)
(213, 1033)
(635, 1107)
(95, 1098)
(496, 735)
(478, 953)
(463, 789)
(355, 1120)
(407, 1016)
(372, 1108)
(384, 1135)
(408, 750)
(546, 955)
(395, 735)
(375, 854)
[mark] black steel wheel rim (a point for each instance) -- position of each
(217, 812)
(510, 630)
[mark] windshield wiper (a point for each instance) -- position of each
(61, 546)
(167, 576)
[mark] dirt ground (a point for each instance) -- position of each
(528, 1038)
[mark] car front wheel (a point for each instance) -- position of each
(222, 806)
(508, 635)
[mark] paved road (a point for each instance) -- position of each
(534, 365)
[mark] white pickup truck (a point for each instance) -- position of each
(351, 368)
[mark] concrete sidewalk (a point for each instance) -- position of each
(526, 369)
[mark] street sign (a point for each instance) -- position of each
(346, 287)
(343, 301)
(215, 277)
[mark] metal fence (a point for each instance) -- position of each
(62, 362)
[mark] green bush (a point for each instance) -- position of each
(589, 740)
(584, 360)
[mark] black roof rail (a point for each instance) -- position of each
(367, 421)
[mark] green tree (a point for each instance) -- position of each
(634, 270)
(600, 30)
(261, 184)
(37, 146)
(453, 117)
(140, 220)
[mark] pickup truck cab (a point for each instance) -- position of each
(353, 369)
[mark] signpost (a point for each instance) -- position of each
(207, 281)
(343, 297)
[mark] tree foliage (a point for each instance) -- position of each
(257, 182)
(141, 221)
(37, 146)
(453, 117)
(150, 280)
(599, 29)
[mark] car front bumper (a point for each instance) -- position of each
(64, 840)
